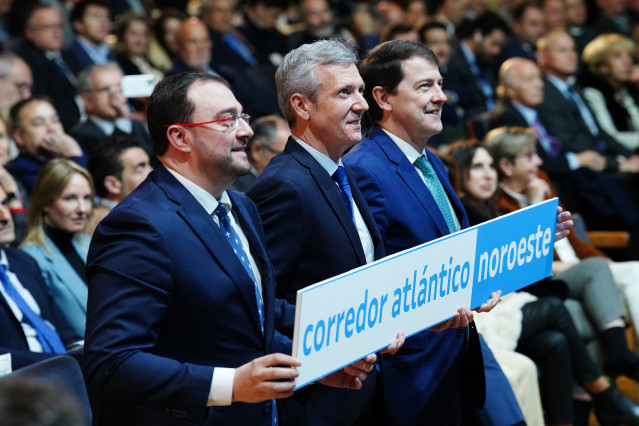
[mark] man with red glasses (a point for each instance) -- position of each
(182, 315)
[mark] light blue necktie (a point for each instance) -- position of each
(47, 335)
(437, 191)
(241, 253)
(236, 244)
(345, 189)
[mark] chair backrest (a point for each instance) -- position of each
(65, 373)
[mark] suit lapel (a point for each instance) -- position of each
(414, 183)
(331, 193)
(66, 275)
(207, 231)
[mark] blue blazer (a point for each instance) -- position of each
(68, 289)
(423, 380)
(169, 302)
(310, 237)
(12, 338)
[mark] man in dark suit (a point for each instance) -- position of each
(107, 109)
(404, 91)
(53, 70)
(18, 336)
(472, 62)
(92, 24)
(314, 231)
(528, 25)
(168, 342)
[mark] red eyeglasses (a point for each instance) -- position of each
(228, 122)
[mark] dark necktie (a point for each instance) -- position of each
(345, 189)
(47, 335)
(240, 251)
(437, 191)
(551, 144)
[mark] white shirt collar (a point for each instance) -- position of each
(327, 164)
(202, 196)
(409, 150)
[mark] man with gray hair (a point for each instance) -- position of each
(270, 134)
(107, 109)
(16, 81)
(317, 223)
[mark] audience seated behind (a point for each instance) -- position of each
(546, 331)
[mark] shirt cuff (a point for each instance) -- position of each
(573, 163)
(221, 392)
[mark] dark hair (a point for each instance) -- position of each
(429, 26)
(169, 103)
(264, 130)
(105, 159)
(463, 153)
(80, 8)
(158, 27)
(123, 22)
(486, 23)
(14, 112)
(519, 11)
(384, 67)
(397, 30)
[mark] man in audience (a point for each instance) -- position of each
(180, 324)
(38, 132)
(33, 327)
(313, 229)
(554, 13)
(91, 23)
(258, 29)
(229, 47)
(53, 70)
(195, 48)
(528, 25)
(16, 81)
(270, 134)
(108, 111)
(118, 166)
(576, 172)
(472, 62)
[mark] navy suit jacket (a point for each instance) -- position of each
(423, 380)
(562, 119)
(310, 237)
(81, 58)
(88, 134)
(50, 81)
(12, 338)
(168, 302)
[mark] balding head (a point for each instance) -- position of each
(520, 81)
(558, 54)
(16, 81)
(195, 44)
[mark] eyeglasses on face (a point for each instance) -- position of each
(228, 122)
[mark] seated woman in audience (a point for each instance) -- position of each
(61, 202)
(590, 276)
(132, 32)
(164, 46)
(610, 87)
(544, 330)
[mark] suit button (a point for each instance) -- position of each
(461, 332)
(268, 408)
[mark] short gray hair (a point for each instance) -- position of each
(84, 78)
(296, 74)
(7, 60)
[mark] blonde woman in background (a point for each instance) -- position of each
(61, 202)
